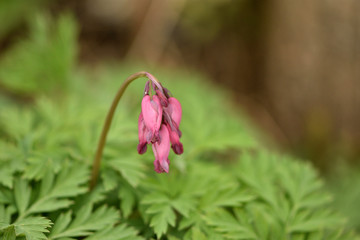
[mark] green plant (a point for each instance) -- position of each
(224, 186)
(16, 12)
(341, 183)
(44, 60)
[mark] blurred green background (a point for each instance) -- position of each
(292, 68)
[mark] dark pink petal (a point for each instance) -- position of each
(141, 148)
(178, 148)
(176, 145)
(157, 167)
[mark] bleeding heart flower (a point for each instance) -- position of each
(176, 145)
(172, 116)
(144, 135)
(152, 113)
(174, 109)
(158, 124)
(161, 151)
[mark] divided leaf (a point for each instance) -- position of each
(120, 232)
(229, 226)
(160, 211)
(9, 233)
(32, 228)
(130, 168)
(86, 222)
(54, 191)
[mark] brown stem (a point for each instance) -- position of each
(109, 117)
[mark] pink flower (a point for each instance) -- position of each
(152, 114)
(174, 109)
(161, 151)
(172, 114)
(176, 145)
(144, 135)
(158, 124)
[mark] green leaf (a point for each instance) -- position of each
(128, 199)
(9, 233)
(110, 179)
(61, 223)
(6, 176)
(228, 197)
(183, 205)
(53, 190)
(302, 184)
(5, 213)
(163, 216)
(161, 212)
(33, 228)
(307, 221)
(120, 232)
(68, 183)
(48, 54)
(18, 123)
(225, 223)
(38, 166)
(4, 195)
(130, 167)
(256, 172)
(22, 193)
(85, 223)
(198, 234)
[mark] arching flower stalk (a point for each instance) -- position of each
(158, 124)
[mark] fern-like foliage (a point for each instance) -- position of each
(224, 186)
(32, 228)
(289, 202)
(44, 60)
(84, 223)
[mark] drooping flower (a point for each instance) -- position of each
(176, 145)
(172, 115)
(161, 151)
(144, 135)
(158, 124)
(174, 109)
(152, 113)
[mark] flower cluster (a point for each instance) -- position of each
(158, 124)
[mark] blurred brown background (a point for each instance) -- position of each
(293, 65)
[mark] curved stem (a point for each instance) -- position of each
(109, 117)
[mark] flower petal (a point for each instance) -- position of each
(161, 150)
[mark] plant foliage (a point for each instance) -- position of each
(225, 185)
